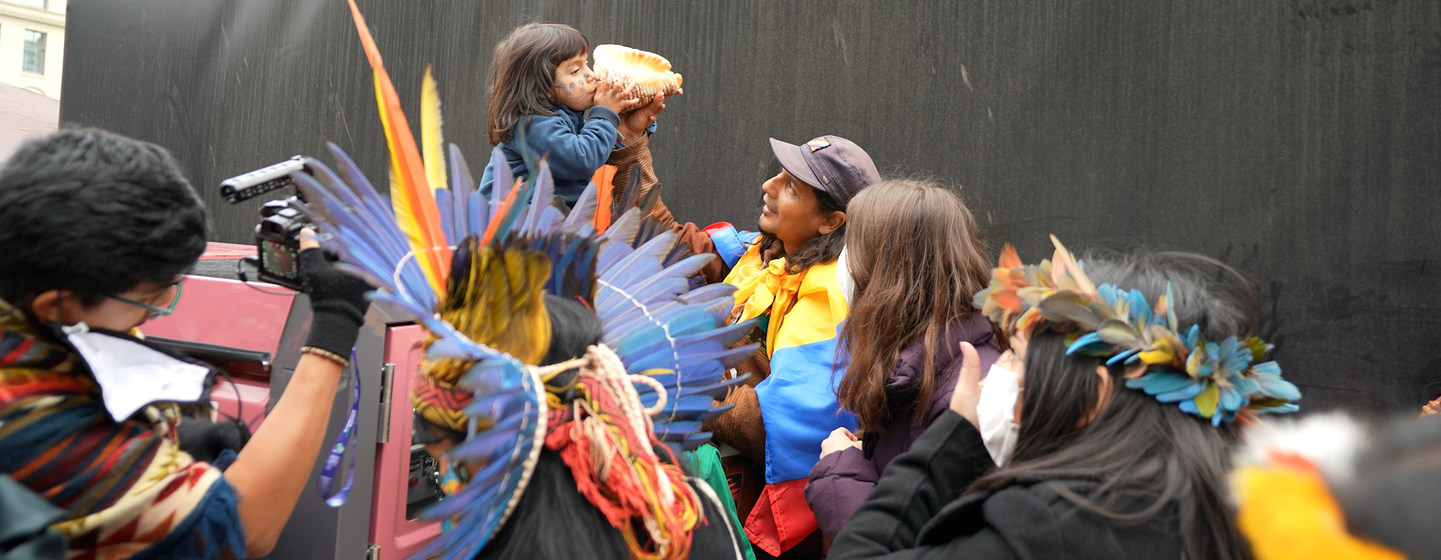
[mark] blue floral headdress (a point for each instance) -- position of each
(1212, 380)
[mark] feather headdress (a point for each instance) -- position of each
(1213, 380)
(473, 270)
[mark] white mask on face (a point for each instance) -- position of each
(996, 412)
(844, 278)
(132, 375)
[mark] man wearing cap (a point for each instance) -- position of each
(787, 280)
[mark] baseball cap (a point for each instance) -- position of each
(829, 163)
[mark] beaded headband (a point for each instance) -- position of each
(1212, 380)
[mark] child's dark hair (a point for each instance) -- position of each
(522, 73)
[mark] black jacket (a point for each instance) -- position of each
(915, 511)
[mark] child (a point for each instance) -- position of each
(540, 80)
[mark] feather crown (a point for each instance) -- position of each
(473, 269)
(1210, 379)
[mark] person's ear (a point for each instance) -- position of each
(54, 303)
(1105, 387)
(832, 221)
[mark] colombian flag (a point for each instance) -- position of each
(798, 400)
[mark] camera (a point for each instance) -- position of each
(277, 236)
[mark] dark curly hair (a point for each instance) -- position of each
(96, 213)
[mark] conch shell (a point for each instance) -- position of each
(648, 72)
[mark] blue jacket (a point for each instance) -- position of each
(574, 144)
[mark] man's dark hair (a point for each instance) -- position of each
(822, 248)
(96, 213)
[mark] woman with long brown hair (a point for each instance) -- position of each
(916, 261)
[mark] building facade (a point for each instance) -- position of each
(32, 44)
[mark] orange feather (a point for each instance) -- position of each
(410, 195)
(510, 201)
(603, 194)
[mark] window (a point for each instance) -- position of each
(37, 4)
(34, 52)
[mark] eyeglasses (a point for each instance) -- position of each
(156, 311)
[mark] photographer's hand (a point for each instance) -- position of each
(272, 470)
(337, 300)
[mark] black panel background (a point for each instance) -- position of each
(1295, 139)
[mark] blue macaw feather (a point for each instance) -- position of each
(1140, 308)
(496, 374)
(462, 184)
(497, 442)
(1155, 382)
(345, 210)
(584, 212)
(542, 194)
(680, 251)
(725, 336)
(1231, 399)
(645, 257)
(502, 181)
(479, 208)
(680, 272)
(1183, 393)
(692, 407)
(1123, 356)
(469, 496)
(448, 223)
(716, 390)
(667, 336)
(696, 440)
(622, 230)
(611, 253)
(619, 303)
(1088, 342)
(443, 348)
(377, 206)
(512, 217)
(692, 358)
(672, 430)
(708, 293)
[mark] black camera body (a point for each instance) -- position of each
(277, 236)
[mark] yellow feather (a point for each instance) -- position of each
(1287, 513)
(430, 138)
(413, 203)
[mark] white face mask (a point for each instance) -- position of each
(844, 278)
(132, 375)
(996, 412)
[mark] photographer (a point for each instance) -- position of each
(98, 230)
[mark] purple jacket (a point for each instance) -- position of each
(842, 480)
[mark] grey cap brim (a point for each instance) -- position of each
(793, 160)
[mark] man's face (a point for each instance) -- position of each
(790, 211)
(119, 312)
(575, 83)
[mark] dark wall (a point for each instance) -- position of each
(1298, 140)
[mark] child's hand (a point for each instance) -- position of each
(839, 439)
(634, 123)
(618, 101)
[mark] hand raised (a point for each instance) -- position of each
(839, 439)
(968, 385)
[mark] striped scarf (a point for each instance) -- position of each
(124, 486)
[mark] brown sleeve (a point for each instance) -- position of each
(700, 243)
(636, 158)
(742, 427)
